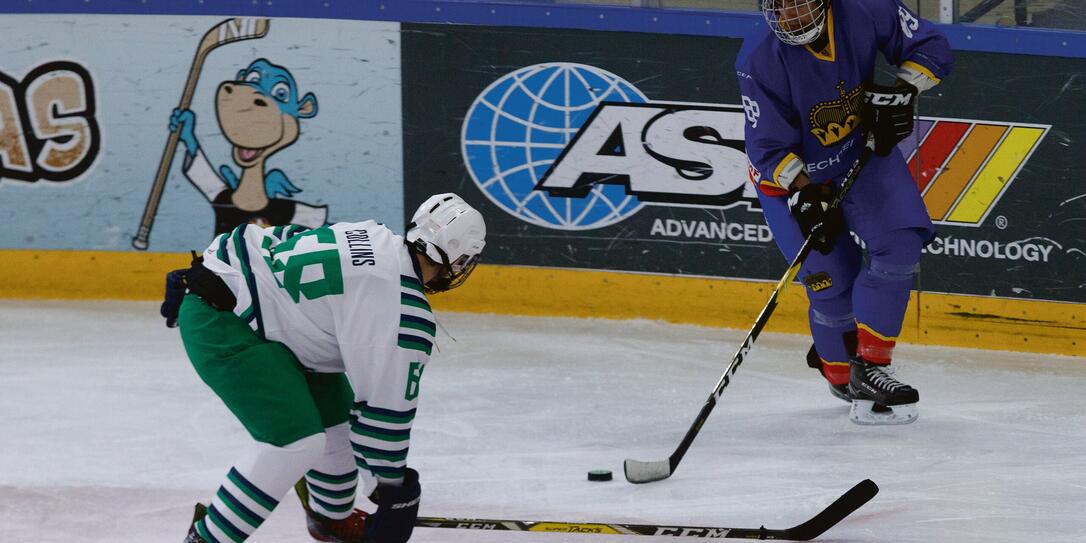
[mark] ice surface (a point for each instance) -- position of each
(107, 434)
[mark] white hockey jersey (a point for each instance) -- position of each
(344, 297)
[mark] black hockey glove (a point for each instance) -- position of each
(209, 286)
(176, 286)
(397, 509)
(199, 280)
(811, 208)
(888, 114)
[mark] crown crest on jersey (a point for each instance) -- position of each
(833, 120)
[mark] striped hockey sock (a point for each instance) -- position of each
(253, 487)
(332, 495)
(333, 481)
(238, 509)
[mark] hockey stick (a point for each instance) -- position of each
(647, 472)
(228, 31)
(816, 526)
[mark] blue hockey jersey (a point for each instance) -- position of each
(803, 107)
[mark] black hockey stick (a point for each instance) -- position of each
(816, 526)
(647, 472)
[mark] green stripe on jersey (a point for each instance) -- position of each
(414, 301)
(381, 437)
(388, 457)
(223, 254)
(410, 283)
(388, 472)
(427, 327)
(247, 273)
(414, 345)
(391, 419)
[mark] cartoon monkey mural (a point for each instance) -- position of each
(259, 114)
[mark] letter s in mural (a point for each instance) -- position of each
(48, 128)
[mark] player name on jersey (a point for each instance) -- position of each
(358, 241)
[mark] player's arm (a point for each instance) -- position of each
(385, 333)
(385, 412)
(386, 391)
(384, 361)
(380, 437)
(773, 143)
(921, 52)
(923, 56)
(772, 131)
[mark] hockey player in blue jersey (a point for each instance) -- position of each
(811, 103)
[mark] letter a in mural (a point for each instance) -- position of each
(258, 112)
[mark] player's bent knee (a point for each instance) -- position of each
(833, 320)
(889, 271)
(899, 246)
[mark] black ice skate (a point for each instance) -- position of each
(879, 398)
(194, 536)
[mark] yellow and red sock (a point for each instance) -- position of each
(835, 372)
(873, 346)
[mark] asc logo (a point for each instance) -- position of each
(573, 147)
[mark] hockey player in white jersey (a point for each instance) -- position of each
(316, 341)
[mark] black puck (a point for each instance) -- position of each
(599, 475)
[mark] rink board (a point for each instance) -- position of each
(410, 105)
(931, 319)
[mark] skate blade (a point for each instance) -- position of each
(864, 412)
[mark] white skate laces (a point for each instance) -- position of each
(883, 377)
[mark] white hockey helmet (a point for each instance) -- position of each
(451, 233)
(795, 22)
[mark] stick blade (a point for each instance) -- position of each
(844, 506)
(639, 472)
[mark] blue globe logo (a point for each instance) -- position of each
(519, 125)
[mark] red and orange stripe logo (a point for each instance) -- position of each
(963, 167)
